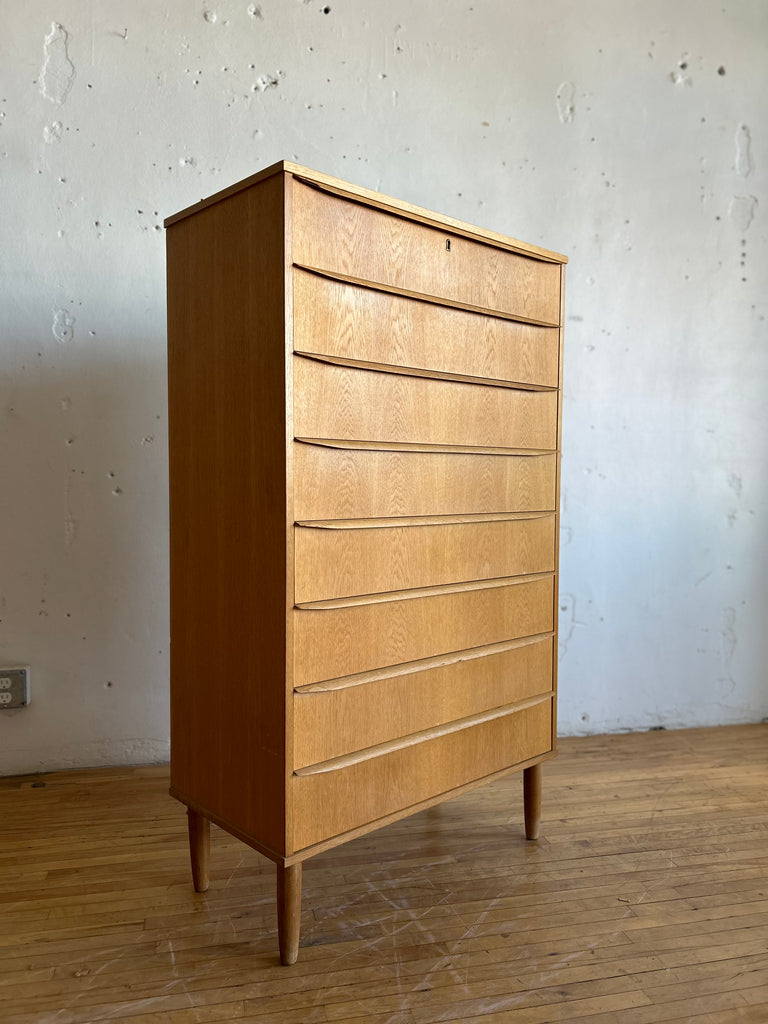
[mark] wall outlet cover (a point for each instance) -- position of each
(14, 688)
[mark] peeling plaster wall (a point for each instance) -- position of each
(630, 136)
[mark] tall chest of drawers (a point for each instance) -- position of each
(364, 419)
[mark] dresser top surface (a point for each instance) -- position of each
(359, 194)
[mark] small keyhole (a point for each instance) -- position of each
(447, 245)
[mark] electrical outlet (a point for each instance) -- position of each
(14, 688)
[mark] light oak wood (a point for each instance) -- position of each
(367, 244)
(532, 778)
(345, 322)
(364, 433)
(288, 912)
(199, 848)
(338, 641)
(377, 199)
(331, 802)
(438, 915)
(343, 562)
(436, 732)
(334, 483)
(333, 720)
(223, 292)
(355, 404)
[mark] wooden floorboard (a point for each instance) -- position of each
(645, 900)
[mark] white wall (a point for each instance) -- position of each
(601, 129)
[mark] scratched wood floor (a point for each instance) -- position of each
(645, 900)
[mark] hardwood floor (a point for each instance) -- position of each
(644, 900)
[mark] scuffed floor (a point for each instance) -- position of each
(645, 900)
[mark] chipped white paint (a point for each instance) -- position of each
(550, 122)
(680, 75)
(565, 100)
(743, 160)
(63, 326)
(53, 132)
(741, 210)
(58, 71)
(267, 81)
(70, 529)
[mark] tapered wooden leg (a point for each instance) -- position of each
(532, 800)
(199, 848)
(288, 912)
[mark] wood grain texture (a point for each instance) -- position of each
(340, 641)
(288, 912)
(532, 781)
(329, 803)
(342, 562)
(332, 722)
(199, 848)
(384, 426)
(560, 398)
(378, 200)
(338, 484)
(351, 403)
(417, 739)
(226, 357)
(337, 236)
(445, 915)
(344, 321)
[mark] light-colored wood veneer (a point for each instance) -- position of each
(365, 409)
(344, 562)
(357, 404)
(338, 321)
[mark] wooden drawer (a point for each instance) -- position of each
(331, 722)
(360, 636)
(352, 557)
(346, 322)
(362, 405)
(347, 483)
(366, 244)
(328, 803)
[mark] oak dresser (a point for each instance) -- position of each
(365, 408)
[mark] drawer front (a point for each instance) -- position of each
(330, 642)
(334, 562)
(333, 722)
(344, 321)
(342, 237)
(347, 483)
(330, 803)
(362, 405)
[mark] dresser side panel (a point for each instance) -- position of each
(558, 511)
(227, 438)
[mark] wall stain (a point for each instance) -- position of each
(568, 622)
(58, 71)
(734, 482)
(728, 643)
